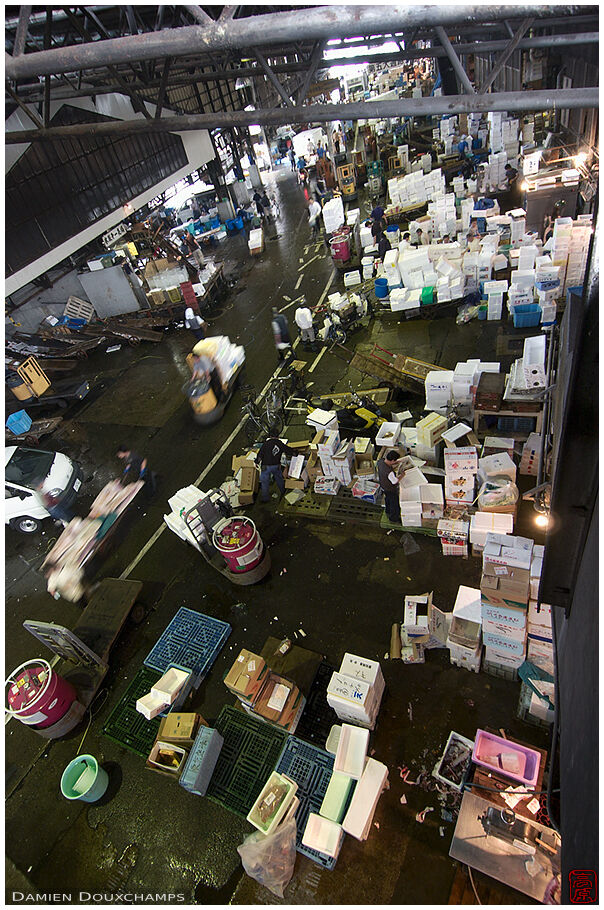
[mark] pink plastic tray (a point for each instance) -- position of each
(489, 748)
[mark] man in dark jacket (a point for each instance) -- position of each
(389, 482)
(269, 456)
(383, 245)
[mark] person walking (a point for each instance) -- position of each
(383, 245)
(314, 213)
(389, 482)
(292, 159)
(195, 324)
(303, 320)
(337, 138)
(259, 207)
(193, 249)
(280, 327)
(136, 468)
(269, 456)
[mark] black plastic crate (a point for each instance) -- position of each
(127, 726)
(318, 717)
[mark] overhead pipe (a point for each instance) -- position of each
(32, 92)
(324, 113)
(315, 24)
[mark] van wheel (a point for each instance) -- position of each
(25, 525)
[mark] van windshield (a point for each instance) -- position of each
(28, 467)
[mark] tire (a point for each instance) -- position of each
(251, 430)
(273, 425)
(25, 524)
(339, 336)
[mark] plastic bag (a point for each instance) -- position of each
(465, 313)
(497, 493)
(270, 858)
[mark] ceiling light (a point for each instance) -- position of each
(542, 521)
(580, 158)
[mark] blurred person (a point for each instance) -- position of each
(136, 468)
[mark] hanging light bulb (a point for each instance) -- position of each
(541, 521)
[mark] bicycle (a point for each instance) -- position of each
(263, 422)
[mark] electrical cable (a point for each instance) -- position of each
(474, 887)
(92, 713)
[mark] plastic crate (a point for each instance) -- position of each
(522, 711)
(19, 422)
(318, 716)
(125, 725)
(516, 424)
(311, 768)
(191, 640)
(526, 315)
(500, 670)
(249, 753)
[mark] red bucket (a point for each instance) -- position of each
(37, 696)
(239, 542)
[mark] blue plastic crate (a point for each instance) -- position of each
(526, 315)
(311, 768)
(191, 640)
(19, 422)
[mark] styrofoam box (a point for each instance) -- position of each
(323, 835)
(468, 604)
(352, 751)
(357, 820)
(504, 631)
(362, 668)
(511, 617)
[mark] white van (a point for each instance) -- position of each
(24, 470)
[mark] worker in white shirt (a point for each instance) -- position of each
(314, 213)
(303, 319)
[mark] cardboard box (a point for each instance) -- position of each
(416, 614)
(506, 631)
(511, 574)
(247, 676)
(504, 644)
(329, 445)
(462, 460)
(274, 697)
(515, 617)
(492, 593)
(313, 467)
(180, 728)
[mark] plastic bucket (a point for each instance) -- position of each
(239, 542)
(37, 696)
(84, 779)
(381, 287)
(482, 311)
(340, 248)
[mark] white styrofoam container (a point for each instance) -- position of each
(323, 835)
(352, 751)
(357, 820)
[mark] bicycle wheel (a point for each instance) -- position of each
(339, 335)
(252, 429)
(272, 424)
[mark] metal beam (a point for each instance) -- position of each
(47, 39)
(162, 88)
(323, 113)
(505, 55)
(228, 12)
(199, 15)
(509, 28)
(21, 34)
(315, 23)
(33, 117)
(455, 62)
(313, 66)
(272, 78)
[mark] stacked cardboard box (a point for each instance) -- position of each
(279, 702)
(461, 465)
(326, 449)
(540, 650)
(364, 451)
(297, 475)
(430, 429)
(464, 640)
(247, 676)
(355, 691)
(505, 589)
(342, 462)
(247, 476)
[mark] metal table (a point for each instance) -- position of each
(499, 858)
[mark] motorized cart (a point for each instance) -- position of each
(208, 394)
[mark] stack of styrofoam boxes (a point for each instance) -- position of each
(577, 254)
(429, 454)
(549, 287)
(458, 186)
(443, 215)
(391, 269)
(353, 220)
(453, 536)
(531, 453)
(505, 588)
(403, 156)
(410, 497)
(461, 466)
(448, 127)
(430, 429)
(367, 263)
(411, 265)
(450, 281)
(528, 130)
(495, 119)
(333, 214)
(496, 169)
(351, 279)
(474, 123)
(540, 636)
(467, 210)
(394, 193)
(467, 607)
(509, 136)
(470, 271)
(464, 381)
(483, 523)
(517, 226)
(563, 229)
(438, 385)
(256, 240)
(326, 449)
(407, 300)
(495, 291)
(366, 237)
(485, 264)
(342, 462)
(355, 690)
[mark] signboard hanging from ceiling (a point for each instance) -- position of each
(114, 234)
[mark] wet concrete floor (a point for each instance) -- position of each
(343, 585)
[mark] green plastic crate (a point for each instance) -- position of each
(127, 726)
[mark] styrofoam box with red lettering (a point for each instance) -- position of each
(505, 631)
(462, 460)
(495, 657)
(503, 643)
(509, 616)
